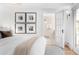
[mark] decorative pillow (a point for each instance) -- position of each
(5, 34)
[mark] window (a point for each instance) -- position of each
(77, 27)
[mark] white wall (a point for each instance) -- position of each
(70, 34)
(69, 29)
(7, 16)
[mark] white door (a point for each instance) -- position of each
(60, 28)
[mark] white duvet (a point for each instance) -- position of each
(8, 45)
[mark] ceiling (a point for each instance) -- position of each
(43, 6)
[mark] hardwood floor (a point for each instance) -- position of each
(68, 51)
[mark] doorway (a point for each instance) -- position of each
(49, 28)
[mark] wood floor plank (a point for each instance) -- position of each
(68, 51)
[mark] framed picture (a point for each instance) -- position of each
(20, 28)
(31, 28)
(20, 17)
(31, 17)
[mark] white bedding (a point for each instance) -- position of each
(39, 46)
(8, 45)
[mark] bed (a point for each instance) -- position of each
(9, 46)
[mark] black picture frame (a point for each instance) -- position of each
(31, 15)
(22, 26)
(25, 22)
(29, 27)
(20, 17)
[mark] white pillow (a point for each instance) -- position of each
(39, 46)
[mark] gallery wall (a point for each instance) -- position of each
(7, 16)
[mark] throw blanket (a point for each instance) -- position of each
(25, 47)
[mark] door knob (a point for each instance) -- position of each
(62, 31)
